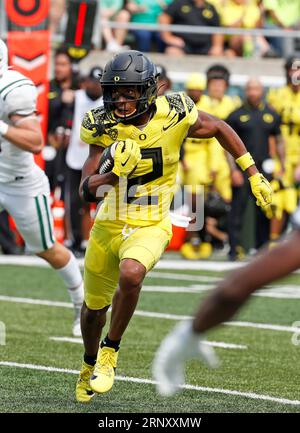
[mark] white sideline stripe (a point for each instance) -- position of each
(181, 265)
(162, 264)
(176, 276)
(285, 292)
(142, 313)
(274, 292)
(36, 301)
(172, 289)
(209, 343)
(251, 395)
(27, 261)
(266, 326)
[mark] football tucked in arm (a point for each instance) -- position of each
(107, 162)
(121, 158)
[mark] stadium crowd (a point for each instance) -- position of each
(245, 14)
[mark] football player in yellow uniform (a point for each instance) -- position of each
(195, 168)
(286, 101)
(132, 226)
(209, 154)
(220, 105)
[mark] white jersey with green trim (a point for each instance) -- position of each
(18, 171)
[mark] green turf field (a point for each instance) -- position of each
(259, 373)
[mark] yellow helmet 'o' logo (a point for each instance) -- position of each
(117, 78)
(268, 118)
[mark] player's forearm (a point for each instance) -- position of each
(98, 180)
(97, 184)
(232, 143)
(25, 139)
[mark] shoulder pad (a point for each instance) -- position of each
(97, 116)
(175, 102)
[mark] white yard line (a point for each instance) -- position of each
(274, 292)
(182, 277)
(35, 301)
(179, 289)
(220, 344)
(162, 264)
(153, 314)
(251, 395)
(281, 292)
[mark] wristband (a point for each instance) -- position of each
(245, 161)
(87, 195)
(3, 128)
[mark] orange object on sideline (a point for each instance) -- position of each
(177, 238)
(18, 238)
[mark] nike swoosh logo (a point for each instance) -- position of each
(124, 163)
(169, 126)
(164, 128)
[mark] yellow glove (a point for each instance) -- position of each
(126, 158)
(261, 189)
(270, 211)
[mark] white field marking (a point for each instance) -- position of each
(36, 301)
(181, 265)
(266, 326)
(251, 395)
(28, 261)
(281, 292)
(76, 340)
(275, 292)
(284, 292)
(182, 277)
(185, 265)
(141, 313)
(209, 343)
(173, 289)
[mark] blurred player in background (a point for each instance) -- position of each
(24, 187)
(286, 101)
(133, 226)
(215, 172)
(258, 125)
(195, 167)
(77, 210)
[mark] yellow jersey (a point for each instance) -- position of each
(145, 197)
(287, 104)
(247, 14)
(220, 109)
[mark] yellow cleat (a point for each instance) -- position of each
(189, 252)
(103, 376)
(205, 250)
(84, 393)
(240, 252)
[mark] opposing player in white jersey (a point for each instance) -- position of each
(24, 188)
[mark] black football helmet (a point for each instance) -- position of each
(130, 68)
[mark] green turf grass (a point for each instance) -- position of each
(270, 364)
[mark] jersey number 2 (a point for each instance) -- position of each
(157, 161)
